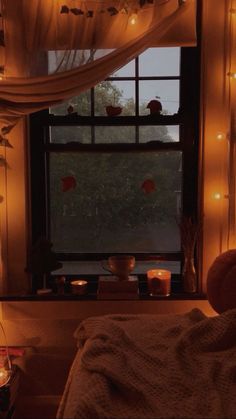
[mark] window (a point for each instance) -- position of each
(113, 175)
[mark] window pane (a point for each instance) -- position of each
(163, 133)
(115, 202)
(166, 91)
(114, 134)
(80, 104)
(91, 267)
(119, 94)
(62, 134)
(160, 62)
(127, 71)
(62, 60)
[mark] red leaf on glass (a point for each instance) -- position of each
(148, 186)
(68, 183)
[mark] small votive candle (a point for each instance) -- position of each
(158, 282)
(79, 287)
(4, 376)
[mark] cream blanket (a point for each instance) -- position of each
(145, 366)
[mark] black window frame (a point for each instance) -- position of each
(187, 118)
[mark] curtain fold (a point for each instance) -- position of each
(23, 95)
(231, 61)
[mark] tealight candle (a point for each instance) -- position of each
(4, 376)
(79, 287)
(159, 282)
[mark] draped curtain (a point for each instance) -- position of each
(217, 153)
(230, 65)
(107, 38)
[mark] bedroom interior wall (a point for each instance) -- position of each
(214, 118)
(46, 329)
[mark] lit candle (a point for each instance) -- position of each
(4, 376)
(159, 282)
(79, 287)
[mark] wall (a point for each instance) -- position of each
(14, 212)
(218, 38)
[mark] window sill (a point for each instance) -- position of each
(93, 297)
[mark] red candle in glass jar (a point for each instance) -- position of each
(158, 282)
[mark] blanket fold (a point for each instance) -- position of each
(153, 367)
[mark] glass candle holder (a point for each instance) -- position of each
(158, 281)
(79, 287)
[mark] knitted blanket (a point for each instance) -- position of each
(152, 367)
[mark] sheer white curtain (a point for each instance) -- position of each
(230, 65)
(32, 28)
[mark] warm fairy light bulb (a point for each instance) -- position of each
(232, 75)
(4, 374)
(220, 136)
(133, 19)
(217, 196)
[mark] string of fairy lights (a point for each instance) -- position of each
(231, 74)
(131, 8)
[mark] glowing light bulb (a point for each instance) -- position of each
(217, 196)
(4, 376)
(232, 75)
(133, 19)
(220, 136)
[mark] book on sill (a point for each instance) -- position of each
(111, 284)
(118, 295)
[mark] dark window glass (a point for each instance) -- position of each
(101, 201)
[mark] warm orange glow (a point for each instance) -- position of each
(220, 136)
(133, 19)
(79, 286)
(79, 282)
(217, 196)
(159, 282)
(4, 376)
(160, 273)
(232, 75)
